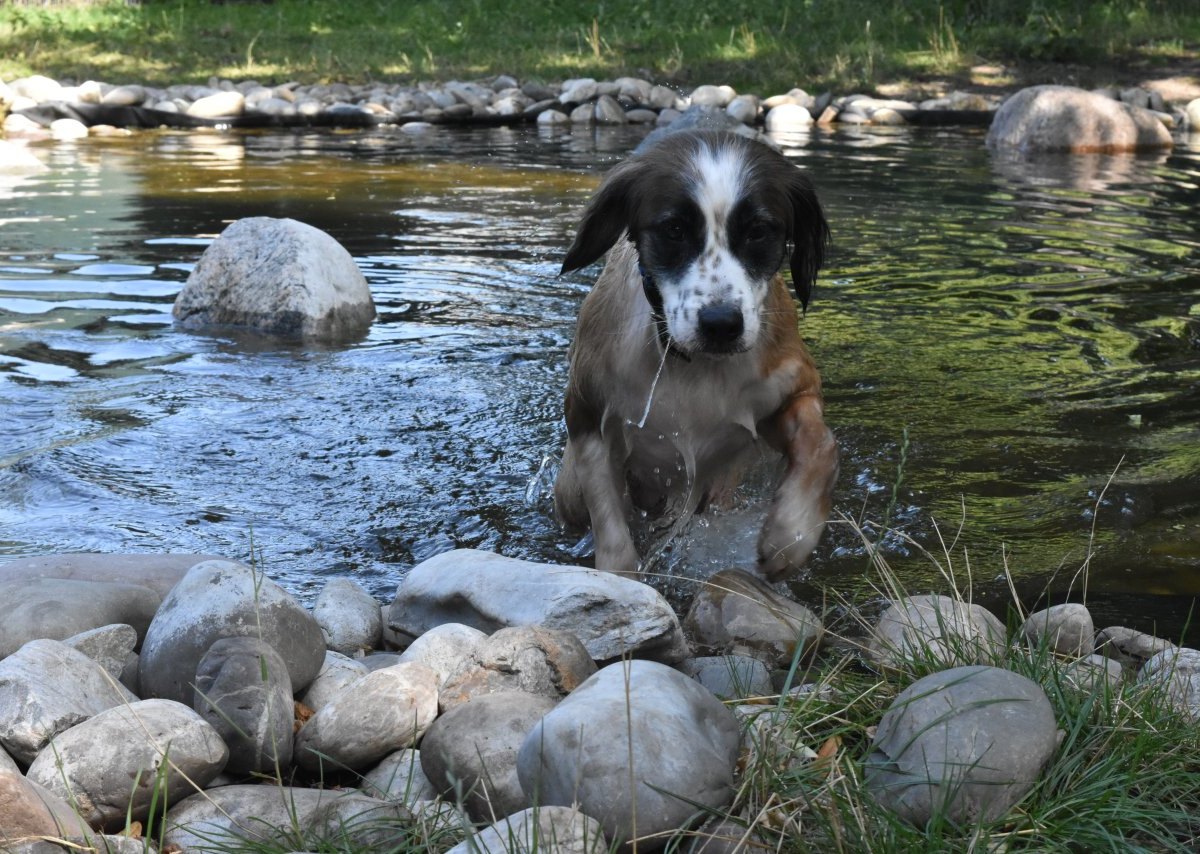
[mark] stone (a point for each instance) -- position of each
(1066, 119)
(731, 677)
(337, 673)
(538, 830)
(108, 646)
(219, 599)
(29, 809)
(936, 630)
(1093, 673)
(664, 98)
(584, 114)
(445, 649)
(609, 112)
(470, 752)
(68, 129)
(131, 95)
(713, 96)
(1131, 648)
(159, 572)
(611, 615)
(641, 117)
(349, 617)
(725, 837)
(744, 108)
(553, 117)
(57, 608)
(966, 743)
(1176, 672)
(887, 116)
(38, 88)
(244, 692)
(277, 276)
(1065, 629)
(363, 822)
(788, 118)
(682, 741)
(19, 160)
(736, 612)
(399, 777)
(109, 765)
(46, 687)
(1192, 111)
(17, 125)
(219, 105)
(379, 660)
(254, 813)
(549, 663)
(578, 91)
(379, 714)
(634, 88)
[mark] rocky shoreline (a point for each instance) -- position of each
(491, 699)
(38, 105)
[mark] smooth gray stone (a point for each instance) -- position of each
(1066, 629)
(731, 677)
(1176, 672)
(337, 673)
(445, 649)
(254, 813)
(109, 646)
(937, 629)
(1042, 119)
(349, 617)
(538, 830)
(399, 777)
(57, 608)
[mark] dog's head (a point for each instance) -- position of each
(713, 216)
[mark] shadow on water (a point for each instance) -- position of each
(1032, 327)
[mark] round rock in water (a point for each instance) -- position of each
(244, 692)
(277, 276)
(471, 751)
(110, 765)
(968, 743)
(1066, 119)
(221, 599)
(682, 740)
(349, 617)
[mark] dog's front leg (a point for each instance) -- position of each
(592, 475)
(803, 500)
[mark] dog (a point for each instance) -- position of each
(687, 360)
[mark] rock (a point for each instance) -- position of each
(379, 660)
(445, 649)
(641, 117)
(795, 96)
(743, 108)
(159, 572)
(46, 687)
(399, 777)
(18, 160)
(17, 125)
(553, 117)
(108, 646)
(735, 612)
(549, 663)
(124, 96)
(1176, 672)
(243, 691)
(682, 740)
(938, 630)
(1192, 111)
(887, 116)
(1066, 119)
(538, 830)
(57, 608)
(220, 599)
(713, 96)
(731, 677)
(725, 837)
(109, 765)
(362, 822)
(349, 617)
(219, 105)
(379, 714)
(470, 752)
(1129, 647)
(584, 114)
(277, 276)
(613, 616)
(967, 743)
(578, 91)
(37, 88)
(1092, 673)
(337, 673)
(68, 129)
(609, 112)
(634, 88)
(1065, 629)
(29, 809)
(662, 98)
(261, 814)
(788, 118)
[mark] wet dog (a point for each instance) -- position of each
(687, 362)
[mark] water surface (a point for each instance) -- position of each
(1011, 352)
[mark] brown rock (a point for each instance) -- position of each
(28, 810)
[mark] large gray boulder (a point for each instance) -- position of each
(538, 830)
(277, 276)
(221, 599)
(159, 572)
(470, 752)
(1176, 672)
(682, 741)
(936, 630)
(735, 612)
(613, 616)
(445, 649)
(1067, 119)
(967, 743)
(1065, 629)
(57, 608)
(253, 813)
(385, 711)
(337, 673)
(114, 764)
(46, 687)
(243, 691)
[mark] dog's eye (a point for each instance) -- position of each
(673, 230)
(758, 230)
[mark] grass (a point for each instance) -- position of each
(754, 46)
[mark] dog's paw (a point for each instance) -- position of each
(621, 559)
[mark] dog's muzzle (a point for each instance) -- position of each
(721, 325)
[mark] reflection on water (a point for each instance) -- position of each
(1032, 327)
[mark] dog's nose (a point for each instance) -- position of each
(721, 323)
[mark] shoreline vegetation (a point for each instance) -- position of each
(917, 47)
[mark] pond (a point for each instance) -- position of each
(1011, 352)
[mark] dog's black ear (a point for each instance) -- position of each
(810, 236)
(606, 217)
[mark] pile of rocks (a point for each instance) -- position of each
(538, 702)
